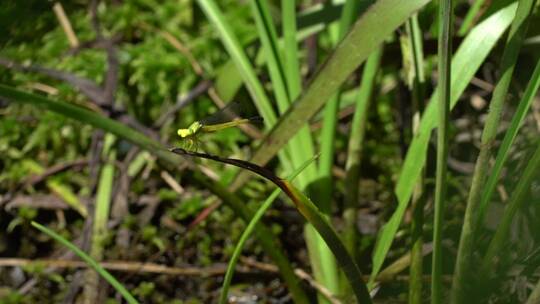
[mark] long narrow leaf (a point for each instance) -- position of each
(88, 260)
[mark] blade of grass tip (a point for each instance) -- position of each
(264, 235)
(516, 201)
(249, 229)
(517, 120)
(444, 64)
(468, 58)
(101, 217)
(418, 199)
(470, 17)
(462, 284)
(88, 260)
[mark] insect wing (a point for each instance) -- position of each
(231, 111)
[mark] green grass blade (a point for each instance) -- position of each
(466, 61)
(303, 146)
(469, 18)
(299, 150)
(462, 286)
(88, 260)
(354, 150)
(330, 118)
(101, 215)
(502, 154)
(444, 64)
(244, 66)
(292, 66)
(249, 230)
(327, 147)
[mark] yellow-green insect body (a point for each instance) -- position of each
(223, 119)
(191, 130)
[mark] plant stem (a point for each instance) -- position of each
(444, 64)
(418, 200)
(101, 217)
(354, 153)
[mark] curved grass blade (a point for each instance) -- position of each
(310, 211)
(88, 260)
(249, 229)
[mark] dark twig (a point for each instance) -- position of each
(86, 86)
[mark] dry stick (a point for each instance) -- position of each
(140, 267)
(66, 25)
(122, 266)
